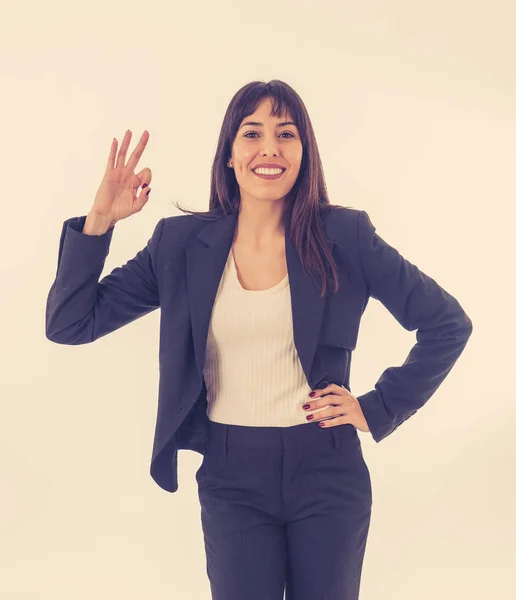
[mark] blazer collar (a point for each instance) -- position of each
(206, 258)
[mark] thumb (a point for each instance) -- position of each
(145, 176)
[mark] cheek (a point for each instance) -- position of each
(294, 169)
(244, 164)
(246, 156)
(294, 160)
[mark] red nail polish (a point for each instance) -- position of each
(311, 394)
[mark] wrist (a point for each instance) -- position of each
(96, 224)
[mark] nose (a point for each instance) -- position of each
(268, 145)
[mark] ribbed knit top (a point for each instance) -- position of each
(252, 370)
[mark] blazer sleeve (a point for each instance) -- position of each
(79, 308)
(418, 303)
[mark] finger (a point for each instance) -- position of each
(138, 151)
(331, 388)
(142, 199)
(328, 413)
(112, 155)
(120, 161)
(144, 177)
(335, 422)
(317, 393)
(316, 406)
(326, 400)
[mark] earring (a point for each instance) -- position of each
(230, 166)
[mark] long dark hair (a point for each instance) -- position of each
(307, 199)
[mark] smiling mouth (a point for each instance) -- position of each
(275, 176)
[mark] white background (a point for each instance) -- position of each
(413, 105)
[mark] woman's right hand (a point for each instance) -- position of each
(116, 197)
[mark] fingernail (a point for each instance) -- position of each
(144, 185)
(148, 192)
(312, 394)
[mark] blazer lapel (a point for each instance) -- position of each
(205, 261)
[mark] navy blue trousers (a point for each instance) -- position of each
(284, 510)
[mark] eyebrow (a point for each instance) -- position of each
(258, 124)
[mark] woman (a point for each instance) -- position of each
(255, 348)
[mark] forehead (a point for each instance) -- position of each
(264, 110)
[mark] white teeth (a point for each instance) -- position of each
(263, 171)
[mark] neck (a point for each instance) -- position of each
(260, 224)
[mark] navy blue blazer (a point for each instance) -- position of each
(179, 271)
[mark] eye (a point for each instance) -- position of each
(287, 132)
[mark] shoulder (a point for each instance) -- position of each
(181, 228)
(341, 223)
(178, 222)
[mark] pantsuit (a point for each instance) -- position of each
(284, 507)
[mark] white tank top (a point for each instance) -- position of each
(252, 370)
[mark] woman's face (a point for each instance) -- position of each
(266, 141)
